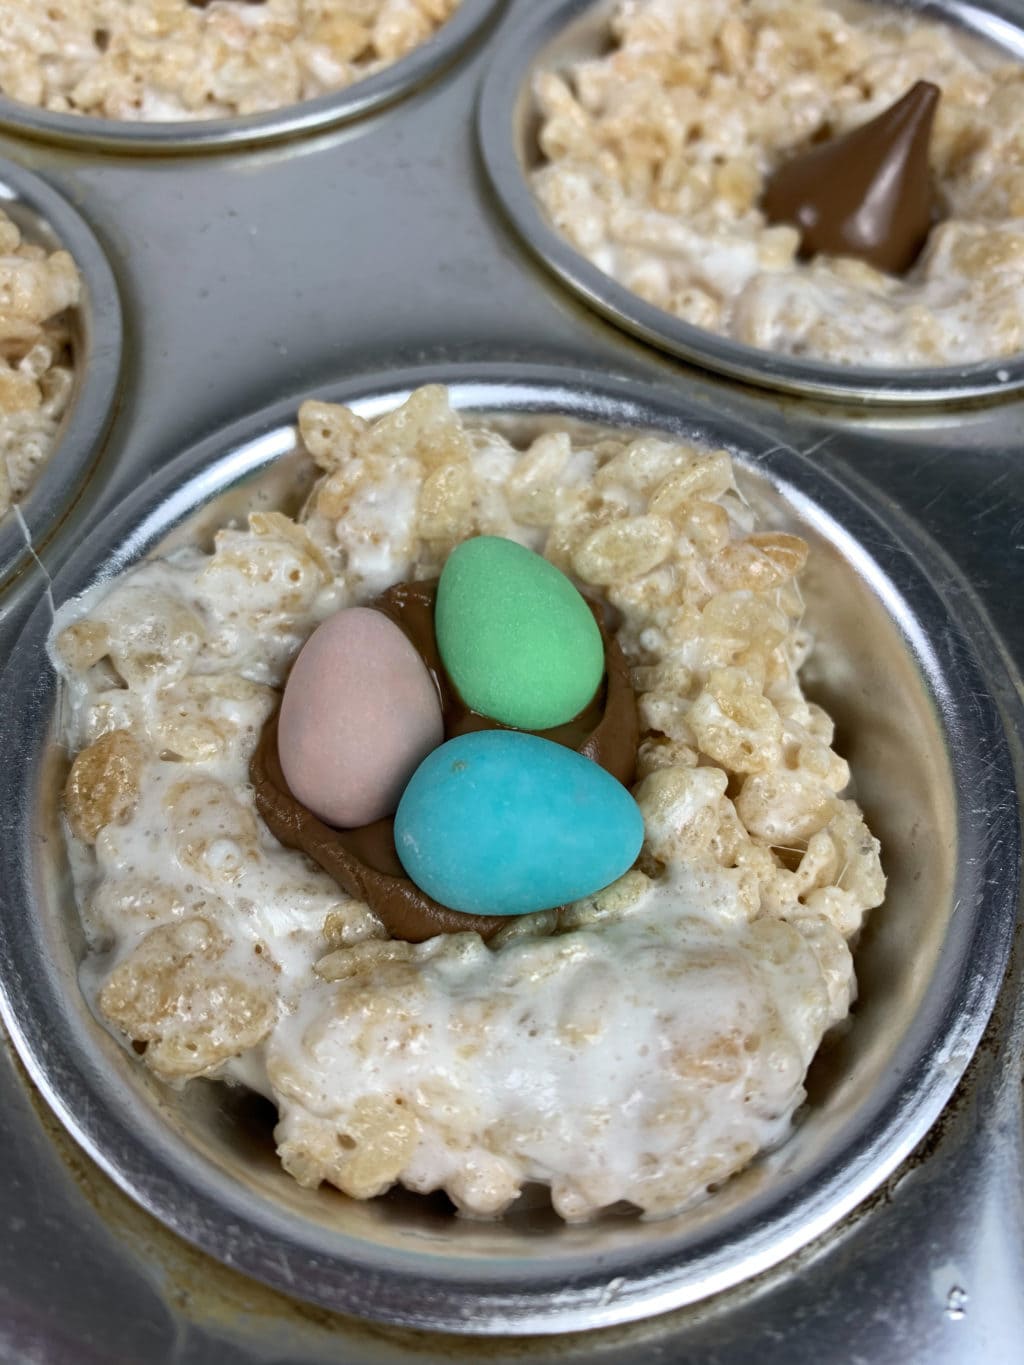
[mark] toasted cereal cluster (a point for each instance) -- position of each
(154, 60)
(643, 1044)
(37, 289)
(657, 155)
(177, 994)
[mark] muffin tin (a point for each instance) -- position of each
(554, 37)
(46, 218)
(355, 265)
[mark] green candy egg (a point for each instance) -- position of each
(518, 640)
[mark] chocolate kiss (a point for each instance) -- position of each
(867, 194)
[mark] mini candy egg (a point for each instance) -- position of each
(502, 823)
(518, 640)
(359, 713)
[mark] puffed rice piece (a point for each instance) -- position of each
(103, 785)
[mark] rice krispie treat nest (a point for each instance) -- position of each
(643, 1044)
(155, 60)
(37, 289)
(658, 152)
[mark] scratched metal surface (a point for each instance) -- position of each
(253, 275)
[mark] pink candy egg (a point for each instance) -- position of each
(360, 712)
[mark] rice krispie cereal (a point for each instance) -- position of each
(658, 152)
(36, 290)
(155, 60)
(640, 1045)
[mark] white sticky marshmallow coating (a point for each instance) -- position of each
(579, 1060)
(641, 1046)
(657, 155)
(159, 60)
(37, 288)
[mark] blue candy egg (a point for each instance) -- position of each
(504, 823)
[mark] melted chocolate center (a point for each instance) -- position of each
(363, 861)
(867, 194)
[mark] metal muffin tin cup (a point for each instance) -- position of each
(896, 664)
(46, 218)
(384, 87)
(557, 35)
